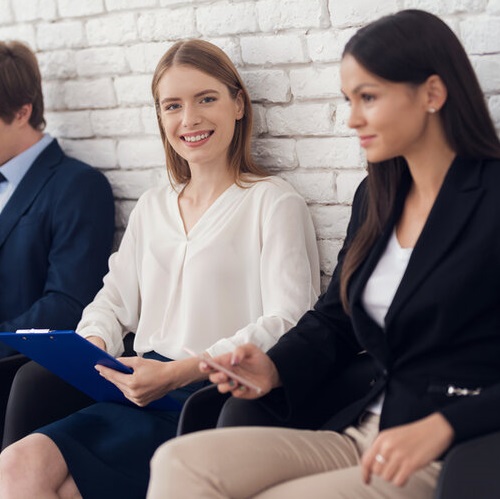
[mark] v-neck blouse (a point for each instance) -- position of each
(245, 272)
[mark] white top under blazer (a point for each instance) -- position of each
(246, 272)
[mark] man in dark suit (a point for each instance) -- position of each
(56, 216)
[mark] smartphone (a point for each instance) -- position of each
(215, 365)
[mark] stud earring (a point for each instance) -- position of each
(432, 110)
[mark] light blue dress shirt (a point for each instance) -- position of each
(17, 167)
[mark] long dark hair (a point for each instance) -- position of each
(408, 47)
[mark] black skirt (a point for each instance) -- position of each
(107, 447)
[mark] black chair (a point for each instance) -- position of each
(207, 408)
(472, 470)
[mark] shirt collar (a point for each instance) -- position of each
(17, 167)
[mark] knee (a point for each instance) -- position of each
(13, 461)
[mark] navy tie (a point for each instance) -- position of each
(2, 178)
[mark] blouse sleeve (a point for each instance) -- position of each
(289, 275)
(115, 309)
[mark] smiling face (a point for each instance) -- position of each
(391, 119)
(198, 115)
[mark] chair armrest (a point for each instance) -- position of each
(201, 410)
(470, 470)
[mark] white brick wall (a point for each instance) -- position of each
(97, 58)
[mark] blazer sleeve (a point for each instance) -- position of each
(323, 339)
(82, 229)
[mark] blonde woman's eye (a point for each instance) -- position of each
(208, 99)
(171, 107)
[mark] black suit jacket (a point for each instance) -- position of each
(56, 234)
(442, 328)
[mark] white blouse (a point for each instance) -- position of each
(246, 272)
(381, 288)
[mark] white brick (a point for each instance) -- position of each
(100, 153)
(347, 184)
(57, 64)
(52, 36)
(130, 184)
(135, 90)
(149, 121)
(259, 120)
(328, 255)
(129, 4)
(275, 154)
(6, 16)
(300, 119)
(112, 30)
(480, 34)
(70, 125)
(342, 115)
(330, 221)
(226, 18)
(335, 152)
(494, 107)
(53, 95)
(285, 14)
(310, 83)
(122, 213)
(116, 122)
(488, 72)
(92, 94)
(30, 10)
(166, 25)
(355, 12)
(144, 57)
(441, 8)
(21, 32)
(140, 153)
(100, 61)
(231, 47)
(267, 85)
(328, 46)
(73, 8)
(314, 187)
(168, 3)
(270, 50)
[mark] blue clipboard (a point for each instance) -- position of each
(72, 358)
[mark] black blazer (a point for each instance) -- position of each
(442, 328)
(56, 234)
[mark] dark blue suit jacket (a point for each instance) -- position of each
(56, 234)
(442, 329)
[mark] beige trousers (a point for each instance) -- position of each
(277, 463)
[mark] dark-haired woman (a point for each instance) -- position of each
(223, 256)
(417, 286)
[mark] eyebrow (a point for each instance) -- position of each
(360, 87)
(197, 95)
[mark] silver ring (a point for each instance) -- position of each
(380, 459)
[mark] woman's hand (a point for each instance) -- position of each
(400, 451)
(151, 379)
(97, 341)
(249, 362)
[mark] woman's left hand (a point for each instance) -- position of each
(400, 451)
(151, 379)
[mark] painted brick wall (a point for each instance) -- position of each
(97, 58)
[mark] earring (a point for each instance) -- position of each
(431, 110)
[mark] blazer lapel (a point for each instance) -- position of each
(452, 209)
(39, 173)
(373, 336)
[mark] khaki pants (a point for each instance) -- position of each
(277, 463)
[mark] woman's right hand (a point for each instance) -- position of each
(249, 362)
(97, 341)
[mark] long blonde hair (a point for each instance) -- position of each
(209, 59)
